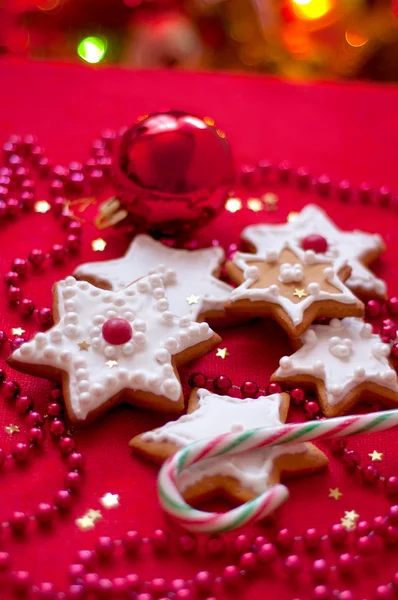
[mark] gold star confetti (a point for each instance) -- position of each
(111, 363)
(352, 515)
(110, 500)
(300, 293)
(98, 245)
(83, 203)
(84, 345)
(348, 524)
(233, 205)
(17, 331)
(292, 216)
(271, 201)
(222, 353)
(85, 523)
(255, 204)
(41, 206)
(94, 515)
(192, 299)
(335, 493)
(376, 456)
(209, 121)
(11, 429)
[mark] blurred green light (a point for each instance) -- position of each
(92, 49)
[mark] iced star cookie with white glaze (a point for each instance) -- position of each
(109, 347)
(344, 362)
(312, 229)
(291, 285)
(190, 276)
(239, 478)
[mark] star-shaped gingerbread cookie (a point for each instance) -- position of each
(344, 362)
(108, 347)
(241, 477)
(189, 275)
(291, 285)
(312, 229)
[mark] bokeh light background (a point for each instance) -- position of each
(295, 39)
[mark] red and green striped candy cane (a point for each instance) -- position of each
(233, 443)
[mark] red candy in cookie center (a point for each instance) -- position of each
(117, 331)
(315, 242)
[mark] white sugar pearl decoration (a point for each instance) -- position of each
(123, 375)
(162, 355)
(107, 298)
(335, 390)
(335, 323)
(172, 387)
(167, 370)
(71, 317)
(273, 289)
(26, 349)
(158, 293)
(128, 315)
(310, 337)
(155, 280)
(379, 350)
(271, 256)
(313, 288)
(359, 373)
(70, 331)
(140, 325)
(97, 389)
(84, 398)
(170, 276)
(162, 304)
(139, 338)
(41, 339)
(204, 328)
(111, 314)
(309, 257)
(96, 342)
(252, 273)
(137, 379)
(168, 316)
(68, 292)
(389, 375)
(129, 292)
(95, 292)
(128, 349)
(55, 335)
(334, 340)
(366, 331)
(95, 331)
(171, 345)
(285, 362)
(193, 330)
(110, 380)
(110, 351)
(154, 381)
(119, 301)
(99, 320)
(348, 342)
(65, 356)
(70, 305)
(81, 374)
(329, 273)
(184, 322)
(69, 281)
(83, 285)
(83, 385)
(183, 337)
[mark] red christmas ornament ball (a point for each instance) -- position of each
(173, 172)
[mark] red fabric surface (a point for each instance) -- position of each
(345, 131)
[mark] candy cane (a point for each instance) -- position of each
(233, 443)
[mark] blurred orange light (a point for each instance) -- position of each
(312, 9)
(357, 40)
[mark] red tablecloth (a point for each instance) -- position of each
(346, 131)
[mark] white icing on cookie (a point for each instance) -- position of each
(343, 246)
(349, 355)
(289, 273)
(186, 274)
(216, 415)
(98, 369)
